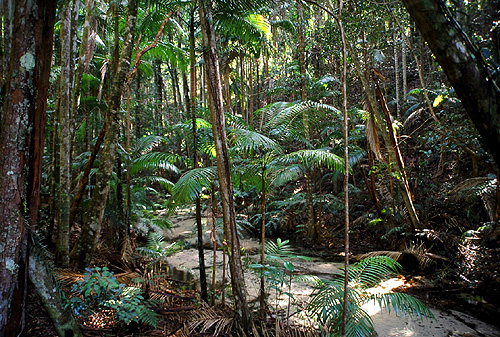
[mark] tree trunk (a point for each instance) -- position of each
(159, 91)
(65, 133)
(48, 290)
(312, 231)
(463, 65)
(85, 246)
(199, 227)
(21, 150)
(223, 164)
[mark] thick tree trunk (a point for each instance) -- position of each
(22, 142)
(223, 164)
(463, 65)
(91, 228)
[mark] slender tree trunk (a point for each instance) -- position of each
(250, 91)
(86, 53)
(22, 142)
(346, 173)
(403, 68)
(262, 245)
(91, 228)
(396, 72)
(65, 133)
(138, 106)
(199, 227)
(159, 91)
(312, 231)
(223, 164)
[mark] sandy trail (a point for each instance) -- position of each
(448, 323)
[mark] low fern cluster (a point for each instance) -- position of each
(99, 289)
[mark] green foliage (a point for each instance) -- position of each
(99, 289)
(279, 268)
(191, 184)
(156, 250)
(327, 302)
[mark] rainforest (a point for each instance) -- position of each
(249, 168)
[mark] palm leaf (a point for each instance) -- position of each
(156, 161)
(191, 184)
(165, 183)
(314, 158)
(373, 270)
(251, 141)
(403, 304)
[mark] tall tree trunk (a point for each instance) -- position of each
(199, 227)
(312, 231)
(396, 72)
(223, 164)
(403, 67)
(21, 150)
(463, 65)
(65, 133)
(159, 91)
(85, 246)
(86, 53)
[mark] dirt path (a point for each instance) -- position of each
(448, 323)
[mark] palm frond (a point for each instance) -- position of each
(156, 161)
(314, 158)
(373, 270)
(251, 141)
(147, 143)
(191, 184)
(165, 183)
(477, 186)
(403, 304)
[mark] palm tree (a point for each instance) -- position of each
(327, 304)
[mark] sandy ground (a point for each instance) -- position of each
(447, 323)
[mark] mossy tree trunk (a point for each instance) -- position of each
(83, 251)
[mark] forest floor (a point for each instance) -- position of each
(451, 319)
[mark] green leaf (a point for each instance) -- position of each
(289, 266)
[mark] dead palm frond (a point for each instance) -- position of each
(483, 187)
(207, 320)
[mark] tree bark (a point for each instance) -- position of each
(463, 65)
(48, 290)
(199, 227)
(65, 133)
(85, 246)
(223, 164)
(22, 141)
